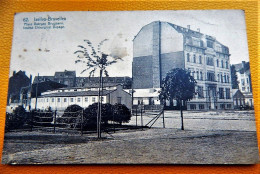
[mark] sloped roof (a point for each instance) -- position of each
(77, 93)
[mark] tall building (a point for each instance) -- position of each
(161, 46)
(244, 82)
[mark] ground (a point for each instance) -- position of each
(209, 138)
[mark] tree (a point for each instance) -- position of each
(94, 61)
(121, 113)
(72, 115)
(178, 85)
(234, 80)
(18, 119)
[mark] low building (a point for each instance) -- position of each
(61, 98)
(238, 98)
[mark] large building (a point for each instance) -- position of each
(162, 46)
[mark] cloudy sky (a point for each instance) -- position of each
(45, 51)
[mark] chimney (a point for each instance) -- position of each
(188, 26)
(30, 79)
(243, 64)
(14, 72)
(198, 29)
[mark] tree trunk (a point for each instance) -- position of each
(182, 124)
(171, 103)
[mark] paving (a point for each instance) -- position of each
(208, 138)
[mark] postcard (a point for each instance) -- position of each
(130, 87)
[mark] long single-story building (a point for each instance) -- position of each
(61, 98)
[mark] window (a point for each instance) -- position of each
(226, 64)
(188, 57)
(119, 100)
(247, 81)
(209, 44)
(71, 99)
(201, 106)
(222, 64)
(198, 75)
(229, 106)
(218, 78)
(93, 99)
(243, 88)
(201, 76)
(227, 93)
(221, 93)
(194, 58)
(200, 92)
(217, 63)
(52, 100)
(47, 100)
(78, 100)
(102, 98)
(211, 76)
(222, 106)
(193, 106)
(200, 59)
(86, 99)
(243, 82)
(58, 99)
(65, 100)
(221, 78)
(227, 78)
(210, 61)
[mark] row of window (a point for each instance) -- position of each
(71, 99)
(198, 75)
(221, 93)
(209, 61)
(202, 106)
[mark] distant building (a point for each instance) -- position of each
(90, 82)
(67, 78)
(161, 46)
(244, 81)
(61, 98)
(16, 83)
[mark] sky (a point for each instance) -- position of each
(46, 51)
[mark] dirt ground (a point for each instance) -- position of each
(208, 138)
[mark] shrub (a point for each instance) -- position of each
(90, 115)
(18, 119)
(71, 114)
(121, 113)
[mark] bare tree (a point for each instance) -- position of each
(94, 61)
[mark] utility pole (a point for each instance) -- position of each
(36, 92)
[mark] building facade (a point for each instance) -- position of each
(61, 98)
(162, 46)
(244, 82)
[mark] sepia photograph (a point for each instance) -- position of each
(130, 87)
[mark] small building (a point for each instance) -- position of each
(238, 98)
(61, 98)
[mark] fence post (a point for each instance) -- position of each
(163, 119)
(142, 118)
(31, 114)
(81, 125)
(55, 114)
(136, 117)
(114, 122)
